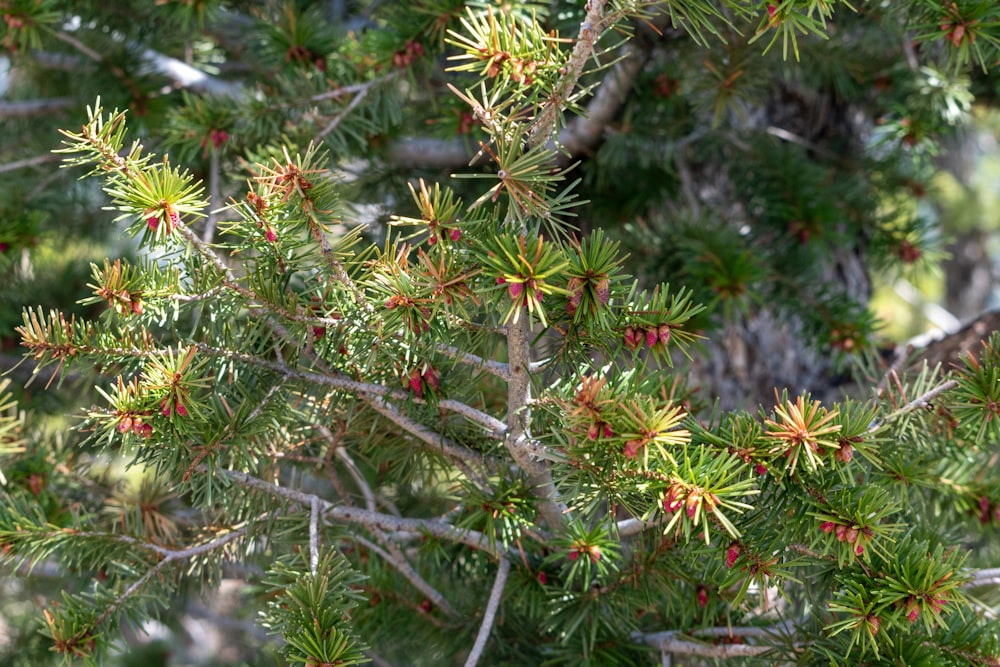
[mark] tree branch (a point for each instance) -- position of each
(529, 455)
(28, 162)
(675, 641)
(396, 558)
(491, 612)
(367, 518)
(169, 556)
(498, 368)
(28, 108)
(494, 426)
(591, 28)
(461, 455)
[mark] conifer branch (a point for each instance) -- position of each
(27, 108)
(987, 577)
(28, 162)
(316, 231)
(494, 427)
(922, 401)
(591, 28)
(497, 368)
(677, 642)
(336, 120)
(437, 441)
(527, 454)
(314, 535)
(214, 196)
(395, 557)
(367, 518)
(169, 556)
(352, 469)
(489, 617)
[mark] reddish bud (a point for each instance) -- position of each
(147, 431)
(984, 510)
(851, 535)
(845, 453)
(416, 383)
(573, 555)
(702, 596)
(652, 337)
(761, 469)
(181, 410)
(166, 408)
(425, 606)
(152, 219)
(773, 19)
(594, 431)
(501, 280)
(602, 290)
(574, 301)
(692, 504)
(455, 234)
(860, 549)
(674, 498)
(912, 610)
(841, 532)
(124, 424)
(632, 448)
(873, 624)
(136, 307)
(732, 554)
(542, 578)
(827, 526)
(318, 332)
(663, 333)
(607, 431)
(432, 239)
(632, 339)
(270, 234)
(515, 290)
(432, 379)
(908, 252)
(173, 218)
(36, 483)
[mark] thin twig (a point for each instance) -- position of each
(25, 108)
(332, 125)
(314, 535)
(594, 23)
(169, 556)
(394, 555)
(459, 454)
(493, 426)
(28, 162)
(356, 515)
(491, 612)
(354, 88)
(922, 401)
(498, 368)
(675, 641)
(341, 453)
(214, 195)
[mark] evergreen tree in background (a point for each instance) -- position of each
(490, 333)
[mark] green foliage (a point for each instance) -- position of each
(482, 427)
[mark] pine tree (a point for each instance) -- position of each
(490, 431)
